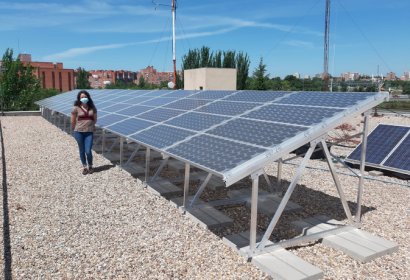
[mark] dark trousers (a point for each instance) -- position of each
(85, 143)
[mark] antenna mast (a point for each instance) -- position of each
(326, 59)
(174, 12)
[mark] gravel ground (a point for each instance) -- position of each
(105, 225)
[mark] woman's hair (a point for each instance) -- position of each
(90, 102)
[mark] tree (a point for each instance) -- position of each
(372, 88)
(343, 86)
(141, 82)
(406, 89)
(260, 77)
(360, 89)
(242, 65)
(335, 88)
(179, 82)
(82, 79)
(19, 84)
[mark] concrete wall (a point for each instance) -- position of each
(210, 79)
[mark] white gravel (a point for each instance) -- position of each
(105, 225)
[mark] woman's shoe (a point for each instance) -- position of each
(85, 171)
(90, 170)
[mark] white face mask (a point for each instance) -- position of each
(84, 100)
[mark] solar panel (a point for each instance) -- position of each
(228, 133)
(388, 148)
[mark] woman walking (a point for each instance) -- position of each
(85, 113)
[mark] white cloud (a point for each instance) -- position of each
(298, 43)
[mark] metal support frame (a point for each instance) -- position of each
(201, 189)
(103, 142)
(186, 186)
(254, 208)
(362, 166)
(65, 122)
(121, 150)
(288, 193)
(279, 181)
(344, 164)
(268, 181)
(337, 182)
(147, 163)
(134, 153)
(71, 129)
(163, 163)
(98, 139)
(113, 145)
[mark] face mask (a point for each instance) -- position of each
(84, 100)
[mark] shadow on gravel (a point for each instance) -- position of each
(103, 168)
(6, 225)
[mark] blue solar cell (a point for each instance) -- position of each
(380, 143)
(134, 110)
(161, 136)
(129, 126)
(160, 114)
(159, 101)
(257, 96)
(256, 132)
(227, 108)
(400, 158)
(116, 107)
(212, 94)
(308, 116)
(326, 99)
(214, 153)
(196, 121)
(109, 120)
(187, 104)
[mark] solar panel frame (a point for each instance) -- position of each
(271, 154)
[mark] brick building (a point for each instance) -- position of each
(53, 75)
(349, 76)
(391, 76)
(153, 77)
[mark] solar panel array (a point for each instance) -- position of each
(388, 147)
(219, 131)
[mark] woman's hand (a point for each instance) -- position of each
(73, 118)
(95, 118)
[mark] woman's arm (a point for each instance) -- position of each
(73, 118)
(95, 118)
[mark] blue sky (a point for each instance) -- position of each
(124, 34)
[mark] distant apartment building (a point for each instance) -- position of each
(102, 78)
(349, 76)
(152, 76)
(406, 75)
(52, 75)
(391, 76)
(322, 75)
(307, 77)
(297, 75)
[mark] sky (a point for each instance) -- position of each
(289, 35)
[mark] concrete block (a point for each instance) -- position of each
(375, 173)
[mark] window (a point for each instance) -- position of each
(201, 88)
(44, 79)
(61, 81)
(69, 81)
(53, 79)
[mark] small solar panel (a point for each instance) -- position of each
(129, 126)
(160, 114)
(227, 108)
(134, 110)
(400, 158)
(187, 104)
(380, 143)
(161, 136)
(196, 121)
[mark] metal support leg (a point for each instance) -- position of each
(201, 188)
(113, 145)
(163, 163)
(103, 142)
(186, 185)
(337, 182)
(286, 197)
(147, 159)
(362, 166)
(134, 153)
(268, 181)
(279, 182)
(98, 139)
(121, 149)
(65, 123)
(71, 129)
(254, 209)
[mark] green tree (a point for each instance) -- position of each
(82, 79)
(242, 65)
(343, 86)
(335, 88)
(360, 89)
(261, 80)
(19, 84)
(406, 89)
(141, 82)
(179, 82)
(372, 88)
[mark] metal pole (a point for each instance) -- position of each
(147, 160)
(268, 181)
(279, 182)
(121, 149)
(337, 182)
(103, 142)
(362, 166)
(186, 186)
(254, 210)
(173, 42)
(65, 122)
